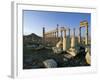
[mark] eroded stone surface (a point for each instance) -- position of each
(50, 63)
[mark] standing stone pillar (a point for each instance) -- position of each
(64, 41)
(61, 35)
(43, 35)
(68, 39)
(74, 32)
(54, 40)
(55, 34)
(72, 50)
(86, 38)
(57, 31)
(79, 37)
(69, 33)
(73, 39)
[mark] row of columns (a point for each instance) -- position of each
(63, 36)
(50, 35)
(55, 33)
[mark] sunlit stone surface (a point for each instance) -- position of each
(50, 63)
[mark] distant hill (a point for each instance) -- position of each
(32, 38)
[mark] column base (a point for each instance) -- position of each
(72, 51)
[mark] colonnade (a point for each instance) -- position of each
(60, 34)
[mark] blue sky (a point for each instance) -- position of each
(34, 21)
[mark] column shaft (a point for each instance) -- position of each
(73, 39)
(64, 41)
(86, 38)
(79, 37)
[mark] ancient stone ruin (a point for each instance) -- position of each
(62, 40)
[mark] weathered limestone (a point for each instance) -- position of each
(73, 40)
(64, 41)
(86, 38)
(72, 50)
(57, 50)
(61, 34)
(79, 37)
(88, 56)
(68, 39)
(83, 24)
(59, 44)
(50, 63)
(68, 56)
(57, 32)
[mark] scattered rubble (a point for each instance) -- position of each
(50, 63)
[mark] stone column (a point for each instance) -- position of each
(69, 33)
(64, 41)
(61, 34)
(79, 37)
(55, 35)
(72, 50)
(73, 39)
(57, 31)
(86, 38)
(74, 32)
(68, 39)
(43, 35)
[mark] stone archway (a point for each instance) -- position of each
(83, 24)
